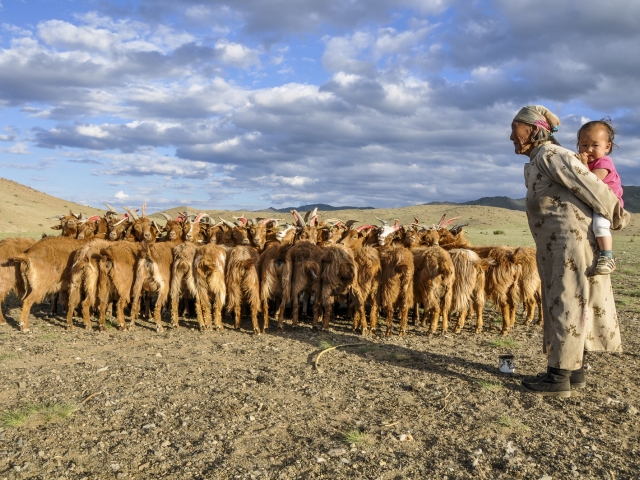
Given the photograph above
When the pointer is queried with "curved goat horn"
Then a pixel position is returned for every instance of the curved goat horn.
(441, 220)
(130, 212)
(297, 218)
(166, 217)
(227, 223)
(111, 209)
(384, 222)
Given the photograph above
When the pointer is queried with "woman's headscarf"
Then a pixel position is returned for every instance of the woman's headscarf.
(538, 115)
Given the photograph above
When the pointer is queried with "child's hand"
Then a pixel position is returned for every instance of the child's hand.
(583, 157)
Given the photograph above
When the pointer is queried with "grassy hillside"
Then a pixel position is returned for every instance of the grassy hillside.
(24, 211)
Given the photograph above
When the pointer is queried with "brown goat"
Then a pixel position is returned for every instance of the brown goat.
(468, 287)
(530, 285)
(396, 285)
(153, 274)
(433, 284)
(45, 269)
(117, 272)
(10, 278)
(366, 288)
(502, 282)
(243, 284)
(209, 277)
(338, 273)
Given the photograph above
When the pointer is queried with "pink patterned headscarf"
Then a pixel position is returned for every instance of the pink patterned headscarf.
(538, 115)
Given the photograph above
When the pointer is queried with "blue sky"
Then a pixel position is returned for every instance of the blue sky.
(251, 104)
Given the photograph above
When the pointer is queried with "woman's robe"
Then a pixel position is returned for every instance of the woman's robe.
(579, 309)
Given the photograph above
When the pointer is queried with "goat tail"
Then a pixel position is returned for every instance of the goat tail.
(310, 269)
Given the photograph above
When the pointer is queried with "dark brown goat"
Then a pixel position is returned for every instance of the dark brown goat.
(338, 273)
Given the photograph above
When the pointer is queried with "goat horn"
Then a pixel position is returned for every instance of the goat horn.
(351, 222)
(59, 217)
(416, 221)
(153, 222)
(227, 223)
(144, 210)
(75, 215)
(111, 209)
(166, 217)
(124, 217)
(130, 212)
(441, 220)
(384, 222)
(297, 218)
(448, 222)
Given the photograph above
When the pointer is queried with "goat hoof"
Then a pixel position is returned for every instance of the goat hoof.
(478, 330)
(457, 330)
(402, 333)
(88, 328)
(68, 328)
(102, 328)
(256, 331)
(159, 329)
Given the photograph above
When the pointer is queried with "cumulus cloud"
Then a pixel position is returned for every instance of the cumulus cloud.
(385, 103)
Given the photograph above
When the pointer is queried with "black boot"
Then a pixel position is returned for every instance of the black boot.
(577, 379)
(554, 383)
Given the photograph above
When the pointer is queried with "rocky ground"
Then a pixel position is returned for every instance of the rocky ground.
(182, 404)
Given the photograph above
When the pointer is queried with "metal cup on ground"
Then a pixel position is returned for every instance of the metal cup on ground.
(506, 363)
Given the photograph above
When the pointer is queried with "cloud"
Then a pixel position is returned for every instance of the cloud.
(17, 149)
(121, 195)
(87, 161)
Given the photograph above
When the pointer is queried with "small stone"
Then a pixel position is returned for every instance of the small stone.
(181, 451)
(41, 453)
(149, 426)
(17, 468)
(631, 410)
(115, 467)
(405, 437)
(251, 418)
(158, 354)
(546, 477)
(122, 475)
(382, 463)
(103, 369)
(166, 443)
(346, 461)
(321, 460)
(336, 452)
(143, 466)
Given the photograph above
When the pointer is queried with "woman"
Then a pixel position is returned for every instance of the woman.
(579, 310)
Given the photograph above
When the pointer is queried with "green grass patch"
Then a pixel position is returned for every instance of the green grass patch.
(503, 343)
(39, 413)
(324, 344)
(7, 356)
(508, 422)
(355, 437)
(487, 385)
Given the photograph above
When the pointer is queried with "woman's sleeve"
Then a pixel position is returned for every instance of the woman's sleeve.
(563, 167)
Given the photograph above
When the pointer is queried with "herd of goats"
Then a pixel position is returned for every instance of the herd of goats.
(259, 264)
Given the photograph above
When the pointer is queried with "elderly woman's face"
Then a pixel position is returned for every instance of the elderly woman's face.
(521, 134)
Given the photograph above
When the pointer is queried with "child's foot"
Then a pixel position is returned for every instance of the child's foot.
(605, 266)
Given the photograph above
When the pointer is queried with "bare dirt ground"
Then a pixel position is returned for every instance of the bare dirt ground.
(182, 404)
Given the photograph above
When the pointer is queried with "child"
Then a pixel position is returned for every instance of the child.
(595, 141)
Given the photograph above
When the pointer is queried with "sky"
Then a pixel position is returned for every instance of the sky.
(253, 103)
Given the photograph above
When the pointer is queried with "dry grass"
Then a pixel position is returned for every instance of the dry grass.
(37, 413)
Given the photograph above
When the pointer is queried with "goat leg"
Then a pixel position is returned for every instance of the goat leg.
(404, 319)
(174, 312)
(462, 316)
(24, 314)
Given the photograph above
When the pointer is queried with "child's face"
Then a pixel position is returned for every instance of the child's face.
(595, 143)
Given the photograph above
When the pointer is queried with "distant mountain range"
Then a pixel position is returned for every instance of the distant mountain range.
(631, 203)
(320, 206)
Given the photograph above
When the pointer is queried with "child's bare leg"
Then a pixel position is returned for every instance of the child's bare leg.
(605, 243)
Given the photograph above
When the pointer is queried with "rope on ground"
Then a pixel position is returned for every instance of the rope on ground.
(90, 397)
(333, 348)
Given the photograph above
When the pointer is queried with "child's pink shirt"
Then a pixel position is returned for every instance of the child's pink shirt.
(612, 179)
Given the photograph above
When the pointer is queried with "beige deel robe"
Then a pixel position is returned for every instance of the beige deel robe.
(579, 310)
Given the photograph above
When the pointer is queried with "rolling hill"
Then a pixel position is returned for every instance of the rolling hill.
(25, 211)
